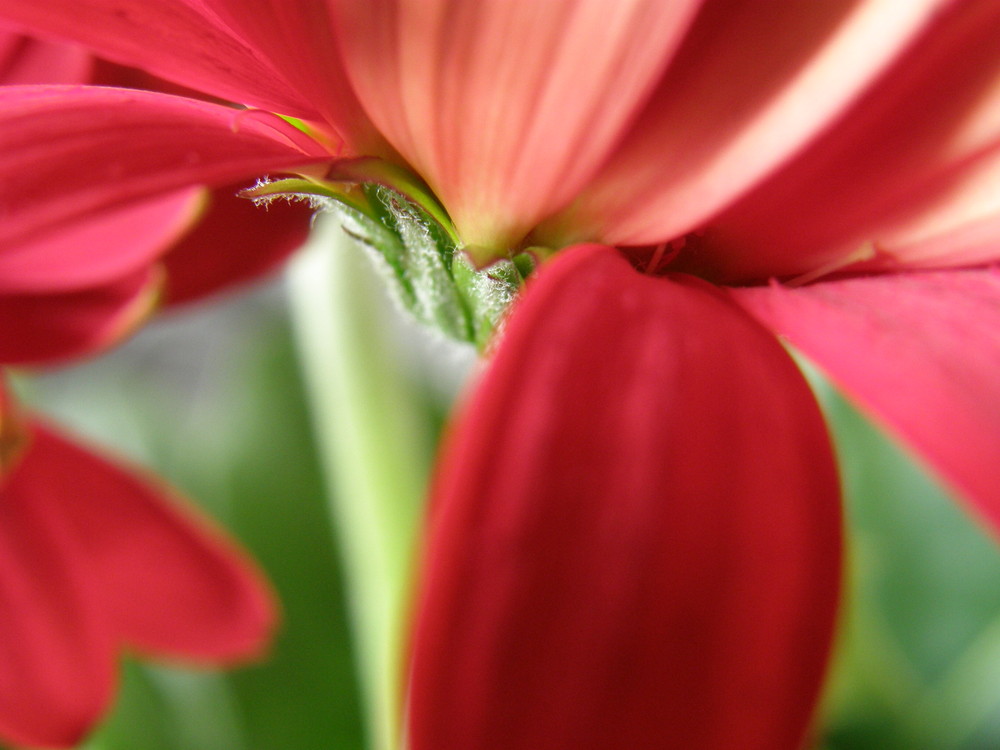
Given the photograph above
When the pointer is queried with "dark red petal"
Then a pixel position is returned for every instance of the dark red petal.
(635, 537)
(235, 242)
(171, 583)
(99, 247)
(25, 60)
(56, 658)
(40, 328)
(921, 351)
(297, 39)
(69, 151)
(178, 39)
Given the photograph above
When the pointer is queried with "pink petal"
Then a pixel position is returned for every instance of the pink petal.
(56, 659)
(297, 38)
(119, 76)
(45, 328)
(171, 583)
(99, 248)
(954, 223)
(915, 160)
(752, 84)
(234, 243)
(920, 351)
(506, 107)
(24, 60)
(635, 536)
(180, 40)
(71, 151)
(971, 240)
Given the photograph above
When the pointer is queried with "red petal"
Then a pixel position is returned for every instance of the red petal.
(180, 40)
(69, 151)
(751, 85)
(99, 248)
(26, 60)
(917, 158)
(635, 541)
(235, 242)
(171, 583)
(56, 659)
(506, 107)
(921, 351)
(41, 328)
(297, 38)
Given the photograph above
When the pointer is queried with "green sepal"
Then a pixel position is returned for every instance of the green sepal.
(420, 258)
(488, 293)
(309, 190)
(413, 244)
(371, 171)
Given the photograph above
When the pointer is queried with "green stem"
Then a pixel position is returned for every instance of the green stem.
(376, 443)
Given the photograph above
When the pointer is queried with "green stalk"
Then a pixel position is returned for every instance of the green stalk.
(376, 444)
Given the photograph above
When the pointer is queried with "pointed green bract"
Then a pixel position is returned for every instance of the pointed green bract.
(414, 246)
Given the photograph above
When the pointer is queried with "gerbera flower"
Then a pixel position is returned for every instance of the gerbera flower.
(634, 536)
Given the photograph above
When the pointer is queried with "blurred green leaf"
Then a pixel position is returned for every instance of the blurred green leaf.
(919, 664)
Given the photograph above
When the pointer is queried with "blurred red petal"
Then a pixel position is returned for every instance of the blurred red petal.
(24, 60)
(180, 40)
(56, 649)
(298, 39)
(234, 243)
(920, 351)
(44, 328)
(974, 241)
(89, 148)
(99, 248)
(635, 537)
(170, 582)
